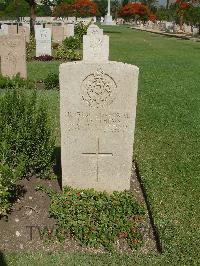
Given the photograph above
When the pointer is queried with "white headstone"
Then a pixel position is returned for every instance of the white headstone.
(98, 109)
(4, 29)
(69, 30)
(43, 41)
(95, 45)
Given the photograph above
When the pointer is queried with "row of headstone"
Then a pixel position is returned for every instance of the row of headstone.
(15, 29)
(166, 26)
(65, 20)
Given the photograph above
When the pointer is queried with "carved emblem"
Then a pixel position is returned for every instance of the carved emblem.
(98, 89)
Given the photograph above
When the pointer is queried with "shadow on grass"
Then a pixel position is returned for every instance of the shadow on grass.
(109, 31)
(154, 228)
(2, 260)
(57, 167)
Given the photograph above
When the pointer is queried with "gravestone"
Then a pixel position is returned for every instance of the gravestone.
(57, 34)
(98, 108)
(96, 45)
(4, 29)
(43, 41)
(68, 30)
(37, 26)
(25, 32)
(12, 29)
(13, 55)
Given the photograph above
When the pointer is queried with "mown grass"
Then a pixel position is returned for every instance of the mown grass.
(166, 146)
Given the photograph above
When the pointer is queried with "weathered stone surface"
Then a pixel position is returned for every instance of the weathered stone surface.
(43, 41)
(98, 110)
(4, 29)
(69, 30)
(25, 32)
(13, 55)
(57, 34)
(95, 45)
(12, 29)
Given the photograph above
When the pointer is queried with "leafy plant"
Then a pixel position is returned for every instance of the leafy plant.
(63, 53)
(52, 82)
(80, 30)
(15, 82)
(72, 42)
(96, 219)
(30, 48)
(26, 140)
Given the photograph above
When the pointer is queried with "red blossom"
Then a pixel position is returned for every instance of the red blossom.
(136, 10)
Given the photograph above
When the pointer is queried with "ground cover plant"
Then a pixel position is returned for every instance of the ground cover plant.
(96, 219)
(166, 145)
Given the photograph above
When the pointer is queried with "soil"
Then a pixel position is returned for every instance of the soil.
(22, 229)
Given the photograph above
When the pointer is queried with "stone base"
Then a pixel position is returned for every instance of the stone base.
(108, 20)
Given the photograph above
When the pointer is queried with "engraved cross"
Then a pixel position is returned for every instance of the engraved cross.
(97, 154)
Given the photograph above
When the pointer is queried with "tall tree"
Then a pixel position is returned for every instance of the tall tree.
(32, 5)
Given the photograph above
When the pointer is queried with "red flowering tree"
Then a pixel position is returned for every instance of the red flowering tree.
(182, 7)
(136, 11)
(80, 8)
(85, 8)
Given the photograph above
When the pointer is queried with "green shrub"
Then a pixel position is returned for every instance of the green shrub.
(96, 219)
(8, 177)
(80, 30)
(51, 82)
(30, 48)
(72, 43)
(63, 53)
(26, 140)
(15, 82)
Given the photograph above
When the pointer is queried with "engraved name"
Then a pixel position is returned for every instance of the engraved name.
(108, 122)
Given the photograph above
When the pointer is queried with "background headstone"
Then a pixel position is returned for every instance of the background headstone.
(13, 55)
(25, 32)
(69, 30)
(57, 34)
(43, 41)
(4, 29)
(12, 29)
(98, 109)
(95, 45)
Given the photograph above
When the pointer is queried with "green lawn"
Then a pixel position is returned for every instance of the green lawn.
(167, 145)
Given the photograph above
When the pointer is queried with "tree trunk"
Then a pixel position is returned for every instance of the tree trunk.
(181, 22)
(32, 17)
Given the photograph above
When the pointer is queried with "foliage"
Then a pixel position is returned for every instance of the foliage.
(80, 30)
(102, 6)
(96, 219)
(78, 8)
(72, 42)
(30, 48)
(15, 82)
(136, 11)
(193, 16)
(43, 10)
(16, 9)
(63, 53)
(44, 57)
(27, 141)
(85, 8)
(52, 81)
(63, 10)
(8, 178)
